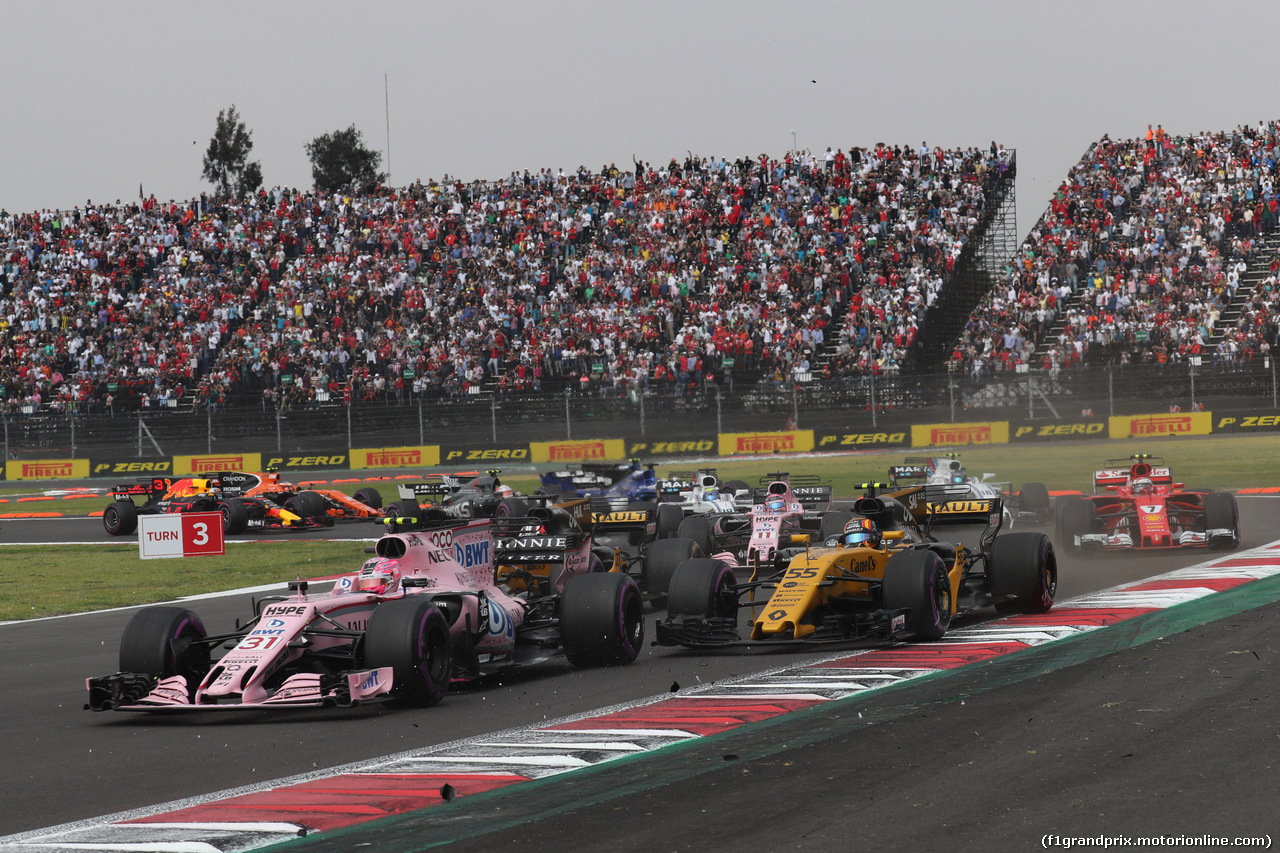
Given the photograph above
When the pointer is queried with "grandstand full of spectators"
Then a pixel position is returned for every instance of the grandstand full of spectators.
(1140, 252)
(663, 278)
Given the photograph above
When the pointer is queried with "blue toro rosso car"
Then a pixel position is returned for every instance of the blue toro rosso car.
(630, 480)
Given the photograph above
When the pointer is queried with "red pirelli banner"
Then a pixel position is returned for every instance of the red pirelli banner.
(212, 463)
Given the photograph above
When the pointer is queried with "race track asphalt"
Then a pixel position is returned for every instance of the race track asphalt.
(1102, 744)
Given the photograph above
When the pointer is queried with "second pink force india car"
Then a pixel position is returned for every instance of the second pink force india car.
(1142, 507)
(423, 611)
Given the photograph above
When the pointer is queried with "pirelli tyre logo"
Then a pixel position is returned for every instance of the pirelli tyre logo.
(597, 450)
(187, 465)
(791, 441)
(1148, 426)
(395, 457)
(941, 435)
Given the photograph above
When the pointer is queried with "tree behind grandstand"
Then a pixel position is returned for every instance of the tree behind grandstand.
(226, 161)
(341, 162)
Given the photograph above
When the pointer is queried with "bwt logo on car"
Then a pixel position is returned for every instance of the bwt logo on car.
(468, 554)
(201, 464)
(47, 469)
(960, 435)
(765, 443)
(1160, 425)
(577, 452)
(393, 458)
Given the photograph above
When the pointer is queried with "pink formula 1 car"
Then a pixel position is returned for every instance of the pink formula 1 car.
(424, 610)
(1142, 507)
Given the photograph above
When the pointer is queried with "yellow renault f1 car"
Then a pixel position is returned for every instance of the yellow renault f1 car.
(909, 585)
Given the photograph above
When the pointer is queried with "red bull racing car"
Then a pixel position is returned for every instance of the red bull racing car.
(1142, 507)
(163, 495)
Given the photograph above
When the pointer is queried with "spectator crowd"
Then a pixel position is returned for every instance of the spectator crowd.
(655, 276)
(1140, 252)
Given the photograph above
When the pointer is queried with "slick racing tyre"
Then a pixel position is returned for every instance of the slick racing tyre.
(163, 641)
(661, 559)
(411, 636)
(833, 523)
(511, 508)
(403, 509)
(1076, 517)
(372, 498)
(120, 518)
(667, 519)
(1221, 513)
(235, 516)
(702, 587)
(601, 619)
(916, 580)
(1034, 498)
(1025, 566)
(697, 528)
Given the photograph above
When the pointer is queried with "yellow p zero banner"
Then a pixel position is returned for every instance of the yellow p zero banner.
(184, 466)
(426, 456)
(47, 469)
(790, 441)
(935, 435)
(561, 452)
(1156, 426)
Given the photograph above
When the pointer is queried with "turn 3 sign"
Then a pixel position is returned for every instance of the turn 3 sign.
(192, 534)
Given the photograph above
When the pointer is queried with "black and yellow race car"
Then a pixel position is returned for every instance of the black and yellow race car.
(903, 583)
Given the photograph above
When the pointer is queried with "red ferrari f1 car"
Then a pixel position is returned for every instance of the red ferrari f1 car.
(1142, 507)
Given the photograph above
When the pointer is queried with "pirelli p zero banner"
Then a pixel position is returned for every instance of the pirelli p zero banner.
(1157, 426)
(132, 467)
(477, 456)
(647, 449)
(862, 440)
(333, 459)
(185, 466)
(426, 456)
(936, 435)
(1247, 422)
(47, 469)
(1058, 429)
(790, 441)
(562, 452)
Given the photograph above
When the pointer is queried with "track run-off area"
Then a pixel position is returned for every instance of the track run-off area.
(1151, 681)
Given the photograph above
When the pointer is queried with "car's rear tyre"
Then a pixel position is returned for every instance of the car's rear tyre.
(667, 518)
(601, 619)
(916, 580)
(307, 504)
(403, 509)
(735, 486)
(372, 498)
(1023, 565)
(411, 636)
(120, 518)
(697, 528)
(1076, 517)
(661, 559)
(833, 523)
(162, 641)
(1034, 498)
(702, 587)
(511, 508)
(235, 516)
(1221, 513)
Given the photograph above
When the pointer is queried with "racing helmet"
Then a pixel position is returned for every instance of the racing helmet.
(711, 495)
(1143, 486)
(775, 503)
(378, 576)
(504, 491)
(861, 532)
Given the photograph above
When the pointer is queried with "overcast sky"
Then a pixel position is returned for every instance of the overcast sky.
(98, 98)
